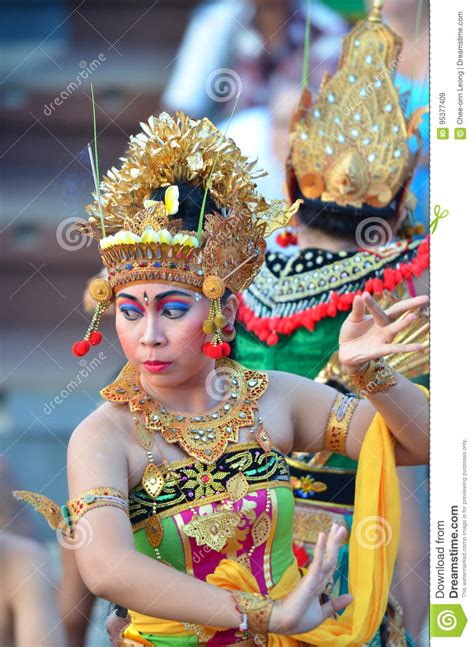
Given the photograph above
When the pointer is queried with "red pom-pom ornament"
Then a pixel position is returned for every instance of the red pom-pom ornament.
(216, 351)
(81, 348)
(95, 338)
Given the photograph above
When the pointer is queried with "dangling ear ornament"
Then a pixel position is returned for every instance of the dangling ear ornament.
(214, 288)
(101, 291)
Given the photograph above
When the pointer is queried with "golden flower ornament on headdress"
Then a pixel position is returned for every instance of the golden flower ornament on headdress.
(142, 243)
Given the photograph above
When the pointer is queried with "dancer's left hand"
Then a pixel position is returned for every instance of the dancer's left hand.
(369, 335)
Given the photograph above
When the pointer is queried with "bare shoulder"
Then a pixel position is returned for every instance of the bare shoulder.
(108, 422)
(97, 449)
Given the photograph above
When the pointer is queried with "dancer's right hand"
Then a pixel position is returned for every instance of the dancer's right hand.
(301, 610)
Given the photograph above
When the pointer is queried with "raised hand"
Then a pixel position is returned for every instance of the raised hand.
(301, 610)
(369, 335)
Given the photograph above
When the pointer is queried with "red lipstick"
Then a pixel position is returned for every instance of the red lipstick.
(156, 366)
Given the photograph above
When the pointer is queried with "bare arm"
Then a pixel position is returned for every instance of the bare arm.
(365, 337)
(105, 550)
(404, 408)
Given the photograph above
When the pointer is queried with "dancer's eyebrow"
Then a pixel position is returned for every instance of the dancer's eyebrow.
(158, 297)
(161, 296)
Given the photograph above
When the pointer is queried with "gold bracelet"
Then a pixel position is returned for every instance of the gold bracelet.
(339, 419)
(255, 610)
(90, 499)
(378, 377)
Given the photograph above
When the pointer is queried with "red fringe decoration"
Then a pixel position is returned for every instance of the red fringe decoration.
(267, 329)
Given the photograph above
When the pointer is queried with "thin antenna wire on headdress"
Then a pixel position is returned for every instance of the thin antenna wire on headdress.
(307, 41)
(417, 34)
(95, 167)
(203, 204)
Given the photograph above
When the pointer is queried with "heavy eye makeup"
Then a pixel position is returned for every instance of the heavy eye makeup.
(130, 309)
(171, 306)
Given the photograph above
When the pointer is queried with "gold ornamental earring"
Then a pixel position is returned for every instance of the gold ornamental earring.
(215, 325)
(101, 291)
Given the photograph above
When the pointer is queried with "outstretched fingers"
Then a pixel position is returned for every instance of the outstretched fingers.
(325, 558)
(330, 608)
(378, 313)
(389, 349)
(400, 324)
(406, 304)
(358, 309)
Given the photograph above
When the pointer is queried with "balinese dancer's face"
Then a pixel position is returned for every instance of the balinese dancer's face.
(160, 330)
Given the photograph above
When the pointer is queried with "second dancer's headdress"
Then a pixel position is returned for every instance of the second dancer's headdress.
(350, 146)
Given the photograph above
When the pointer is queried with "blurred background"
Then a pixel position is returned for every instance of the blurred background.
(142, 57)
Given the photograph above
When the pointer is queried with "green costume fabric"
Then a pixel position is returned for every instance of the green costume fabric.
(303, 353)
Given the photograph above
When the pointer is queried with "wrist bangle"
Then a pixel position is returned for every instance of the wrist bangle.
(378, 377)
(254, 609)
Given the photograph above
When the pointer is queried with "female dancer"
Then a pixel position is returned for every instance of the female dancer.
(182, 470)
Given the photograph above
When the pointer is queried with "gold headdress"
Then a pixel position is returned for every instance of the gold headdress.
(139, 242)
(351, 144)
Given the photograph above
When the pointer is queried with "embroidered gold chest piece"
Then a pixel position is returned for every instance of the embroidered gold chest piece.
(205, 436)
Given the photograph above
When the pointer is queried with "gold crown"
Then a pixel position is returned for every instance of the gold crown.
(351, 144)
(144, 244)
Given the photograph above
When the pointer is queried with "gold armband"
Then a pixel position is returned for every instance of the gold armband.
(65, 517)
(255, 610)
(339, 419)
(378, 377)
(94, 498)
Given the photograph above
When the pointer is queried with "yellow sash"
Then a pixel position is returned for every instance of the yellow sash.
(372, 552)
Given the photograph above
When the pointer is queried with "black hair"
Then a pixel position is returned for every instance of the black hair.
(332, 218)
(190, 201)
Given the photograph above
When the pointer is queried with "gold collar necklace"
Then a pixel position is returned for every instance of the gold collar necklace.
(204, 436)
